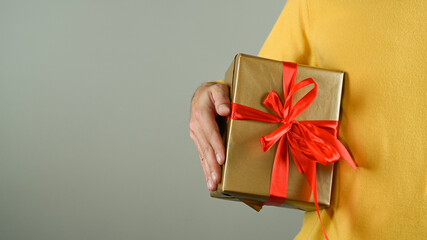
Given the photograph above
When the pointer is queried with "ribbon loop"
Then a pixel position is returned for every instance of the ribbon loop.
(302, 104)
(273, 102)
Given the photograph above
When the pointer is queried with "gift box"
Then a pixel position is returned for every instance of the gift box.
(254, 167)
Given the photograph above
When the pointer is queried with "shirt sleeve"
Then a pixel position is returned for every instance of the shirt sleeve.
(288, 40)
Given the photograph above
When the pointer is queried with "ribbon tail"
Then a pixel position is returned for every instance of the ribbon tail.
(310, 173)
(279, 175)
(345, 154)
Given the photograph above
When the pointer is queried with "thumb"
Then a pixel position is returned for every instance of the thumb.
(221, 99)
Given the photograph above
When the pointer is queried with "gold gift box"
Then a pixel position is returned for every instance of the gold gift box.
(247, 170)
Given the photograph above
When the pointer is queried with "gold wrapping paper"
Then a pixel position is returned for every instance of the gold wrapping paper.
(247, 170)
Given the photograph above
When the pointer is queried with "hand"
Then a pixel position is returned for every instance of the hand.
(209, 101)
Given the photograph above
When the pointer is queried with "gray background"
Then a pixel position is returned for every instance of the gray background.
(94, 111)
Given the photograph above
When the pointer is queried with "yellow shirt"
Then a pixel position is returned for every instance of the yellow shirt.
(382, 47)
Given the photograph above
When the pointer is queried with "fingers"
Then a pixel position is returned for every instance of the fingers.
(212, 168)
(201, 131)
(221, 99)
(213, 138)
(208, 101)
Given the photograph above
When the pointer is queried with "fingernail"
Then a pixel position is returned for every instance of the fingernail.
(223, 108)
(210, 185)
(214, 176)
(218, 158)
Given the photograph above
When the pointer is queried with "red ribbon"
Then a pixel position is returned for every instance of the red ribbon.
(310, 142)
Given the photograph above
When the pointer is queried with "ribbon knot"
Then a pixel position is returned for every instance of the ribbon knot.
(286, 122)
(310, 142)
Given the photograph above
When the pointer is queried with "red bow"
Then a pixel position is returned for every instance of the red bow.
(310, 142)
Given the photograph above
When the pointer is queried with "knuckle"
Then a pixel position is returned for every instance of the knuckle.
(192, 136)
(192, 127)
(199, 114)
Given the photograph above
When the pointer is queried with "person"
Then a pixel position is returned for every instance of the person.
(381, 45)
